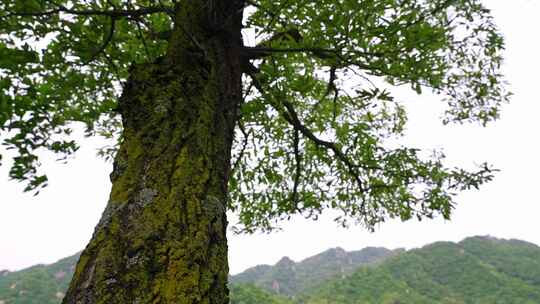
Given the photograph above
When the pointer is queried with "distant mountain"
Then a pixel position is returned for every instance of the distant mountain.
(477, 270)
(40, 284)
(290, 278)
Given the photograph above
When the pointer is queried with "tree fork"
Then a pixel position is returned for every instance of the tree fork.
(162, 236)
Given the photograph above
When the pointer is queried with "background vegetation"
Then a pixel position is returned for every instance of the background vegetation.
(476, 270)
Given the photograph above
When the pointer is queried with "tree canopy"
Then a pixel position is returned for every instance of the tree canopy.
(317, 112)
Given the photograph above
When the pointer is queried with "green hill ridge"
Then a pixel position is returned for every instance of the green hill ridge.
(477, 270)
(40, 284)
(290, 278)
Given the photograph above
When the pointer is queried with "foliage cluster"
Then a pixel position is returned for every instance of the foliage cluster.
(317, 113)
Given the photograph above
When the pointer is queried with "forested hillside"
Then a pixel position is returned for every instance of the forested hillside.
(290, 278)
(476, 270)
(40, 284)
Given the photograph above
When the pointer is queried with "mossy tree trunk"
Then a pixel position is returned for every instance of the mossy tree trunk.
(162, 236)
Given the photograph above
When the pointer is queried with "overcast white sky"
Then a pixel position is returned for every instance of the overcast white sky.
(60, 221)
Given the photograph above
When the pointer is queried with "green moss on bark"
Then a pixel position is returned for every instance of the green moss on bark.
(162, 237)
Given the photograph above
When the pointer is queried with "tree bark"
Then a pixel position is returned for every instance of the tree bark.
(162, 236)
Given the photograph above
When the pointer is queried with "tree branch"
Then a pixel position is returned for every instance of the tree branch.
(250, 53)
(141, 38)
(291, 117)
(244, 145)
(330, 87)
(105, 43)
(110, 13)
(298, 167)
(257, 52)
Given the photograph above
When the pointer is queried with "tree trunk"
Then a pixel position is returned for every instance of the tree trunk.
(162, 236)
